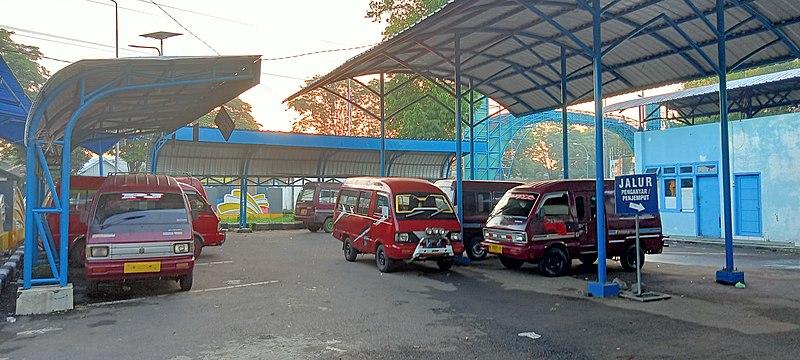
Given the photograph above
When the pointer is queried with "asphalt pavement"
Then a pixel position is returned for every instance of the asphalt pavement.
(291, 295)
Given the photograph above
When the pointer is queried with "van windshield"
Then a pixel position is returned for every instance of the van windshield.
(512, 209)
(415, 206)
(139, 208)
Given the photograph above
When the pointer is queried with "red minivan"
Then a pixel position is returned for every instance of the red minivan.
(397, 219)
(314, 206)
(552, 222)
(139, 227)
(83, 188)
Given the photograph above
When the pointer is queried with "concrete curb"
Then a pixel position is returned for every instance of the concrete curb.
(268, 226)
(771, 245)
(10, 267)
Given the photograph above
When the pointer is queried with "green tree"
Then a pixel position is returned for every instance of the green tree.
(400, 14)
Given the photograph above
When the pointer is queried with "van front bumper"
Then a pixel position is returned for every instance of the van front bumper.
(511, 250)
(115, 269)
(415, 251)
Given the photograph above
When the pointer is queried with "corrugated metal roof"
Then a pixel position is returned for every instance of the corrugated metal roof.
(512, 49)
(128, 96)
(274, 154)
(765, 81)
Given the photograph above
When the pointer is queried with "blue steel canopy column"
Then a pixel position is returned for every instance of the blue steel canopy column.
(459, 169)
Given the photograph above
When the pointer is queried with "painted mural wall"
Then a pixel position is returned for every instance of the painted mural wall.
(767, 148)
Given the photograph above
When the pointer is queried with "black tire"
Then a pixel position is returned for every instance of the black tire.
(198, 247)
(385, 264)
(475, 250)
(185, 281)
(628, 258)
(92, 289)
(445, 263)
(555, 262)
(349, 251)
(510, 263)
(313, 228)
(77, 253)
(588, 259)
(327, 226)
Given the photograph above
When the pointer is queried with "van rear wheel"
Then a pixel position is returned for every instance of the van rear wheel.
(185, 281)
(510, 263)
(475, 250)
(350, 252)
(385, 264)
(628, 258)
(555, 262)
(77, 253)
(327, 226)
(313, 228)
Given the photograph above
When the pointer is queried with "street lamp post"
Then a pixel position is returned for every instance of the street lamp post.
(160, 35)
(147, 47)
(587, 157)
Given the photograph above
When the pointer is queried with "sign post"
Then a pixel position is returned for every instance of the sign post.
(638, 195)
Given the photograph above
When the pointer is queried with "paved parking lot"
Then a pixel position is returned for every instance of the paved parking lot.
(290, 295)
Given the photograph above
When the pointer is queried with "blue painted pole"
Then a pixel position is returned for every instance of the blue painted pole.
(459, 171)
(601, 288)
(31, 201)
(100, 163)
(728, 275)
(383, 127)
(243, 199)
(564, 128)
(471, 131)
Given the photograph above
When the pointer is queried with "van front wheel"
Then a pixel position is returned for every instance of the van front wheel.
(350, 252)
(510, 263)
(628, 258)
(313, 228)
(185, 281)
(385, 263)
(198, 247)
(327, 226)
(77, 254)
(445, 263)
(555, 262)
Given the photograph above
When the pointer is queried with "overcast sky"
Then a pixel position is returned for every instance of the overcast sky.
(70, 30)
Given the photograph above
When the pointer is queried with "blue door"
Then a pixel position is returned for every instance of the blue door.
(748, 204)
(708, 219)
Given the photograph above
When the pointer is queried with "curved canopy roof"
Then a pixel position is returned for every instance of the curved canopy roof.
(274, 154)
(119, 98)
(512, 49)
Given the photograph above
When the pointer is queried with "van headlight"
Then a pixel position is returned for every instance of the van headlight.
(401, 237)
(455, 236)
(181, 248)
(98, 251)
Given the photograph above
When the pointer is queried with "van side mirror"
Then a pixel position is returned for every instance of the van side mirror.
(385, 212)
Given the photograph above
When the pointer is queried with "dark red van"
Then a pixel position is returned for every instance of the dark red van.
(397, 219)
(314, 206)
(206, 225)
(82, 190)
(139, 227)
(553, 222)
(480, 197)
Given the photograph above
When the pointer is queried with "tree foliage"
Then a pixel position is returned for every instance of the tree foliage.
(400, 14)
(23, 61)
(322, 112)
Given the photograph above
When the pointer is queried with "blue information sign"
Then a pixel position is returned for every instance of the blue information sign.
(636, 194)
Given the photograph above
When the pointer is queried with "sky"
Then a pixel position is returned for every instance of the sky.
(71, 30)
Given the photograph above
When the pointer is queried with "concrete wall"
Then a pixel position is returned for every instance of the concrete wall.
(768, 146)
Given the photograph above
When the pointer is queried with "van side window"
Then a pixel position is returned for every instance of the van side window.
(496, 196)
(347, 200)
(196, 202)
(381, 202)
(79, 200)
(556, 206)
(484, 202)
(469, 202)
(327, 196)
(363, 202)
(579, 207)
(593, 206)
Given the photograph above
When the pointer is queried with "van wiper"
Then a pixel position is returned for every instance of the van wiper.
(122, 220)
(420, 210)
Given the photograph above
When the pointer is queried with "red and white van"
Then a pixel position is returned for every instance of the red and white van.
(397, 219)
(139, 227)
(206, 225)
(314, 205)
(553, 222)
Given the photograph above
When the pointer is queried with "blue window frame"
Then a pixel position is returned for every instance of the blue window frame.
(677, 184)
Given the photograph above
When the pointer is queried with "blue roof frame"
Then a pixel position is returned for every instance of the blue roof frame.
(14, 106)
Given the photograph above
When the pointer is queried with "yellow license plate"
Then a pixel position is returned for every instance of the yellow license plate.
(496, 249)
(302, 211)
(142, 267)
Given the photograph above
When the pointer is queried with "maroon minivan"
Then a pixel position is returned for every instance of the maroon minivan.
(314, 206)
(553, 222)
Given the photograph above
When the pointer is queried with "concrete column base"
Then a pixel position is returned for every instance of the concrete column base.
(45, 299)
(603, 290)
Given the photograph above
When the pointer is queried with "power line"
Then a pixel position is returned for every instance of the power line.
(124, 8)
(283, 76)
(101, 47)
(184, 27)
(195, 12)
(29, 54)
(318, 52)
